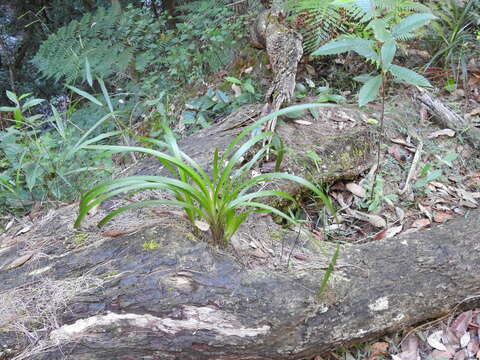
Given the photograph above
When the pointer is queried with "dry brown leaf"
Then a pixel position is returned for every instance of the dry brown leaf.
(310, 69)
(318, 235)
(19, 261)
(268, 167)
(420, 223)
(472, 113)
(440, 355)
(473, 346)
(409, 348)
(400, 213)
(259, 254)
(237, 90)
(398, 152)
(23, 230)
(426, 211)
(435, 340)
(302, 122)
(403, 142)
(444, 132)
(338, 186)
(348, 198)
(115, 233)
(356, 189)
(441, 217)
(450, 337)
(391, 232)
(465, 339)
(468, 204)
(460, 355)
(467, 196)
(9, 225)
(202, 225)
(423, 114)
(381, 346)
(475, 178)
(380, 235)
(374, 220)
(349, 356)
(94, 210)
(460, 324)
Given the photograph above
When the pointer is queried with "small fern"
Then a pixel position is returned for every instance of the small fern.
(323, 20)
(110, 39)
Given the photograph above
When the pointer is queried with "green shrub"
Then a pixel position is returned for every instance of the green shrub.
(452, 38)
(103, 37)
(381, 50)
(44, 160)
(133, 49)
(324, 20)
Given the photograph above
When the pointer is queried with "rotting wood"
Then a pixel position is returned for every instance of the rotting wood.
(187, 301)
(447, 118)
(284, 49)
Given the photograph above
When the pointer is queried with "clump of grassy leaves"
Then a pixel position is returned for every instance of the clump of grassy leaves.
(220, 202)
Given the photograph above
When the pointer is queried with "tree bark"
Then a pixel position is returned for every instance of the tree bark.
(185, 300)
(284, 49)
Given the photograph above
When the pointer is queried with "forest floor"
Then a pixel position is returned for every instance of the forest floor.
(443, 174)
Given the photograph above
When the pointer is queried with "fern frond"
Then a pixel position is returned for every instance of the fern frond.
(323, 20)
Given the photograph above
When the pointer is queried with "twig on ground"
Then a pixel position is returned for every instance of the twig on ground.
(411, 172)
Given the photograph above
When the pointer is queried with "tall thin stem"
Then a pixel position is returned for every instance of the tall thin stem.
(380, 138)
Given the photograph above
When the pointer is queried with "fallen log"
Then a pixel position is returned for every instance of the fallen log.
(156, 290)
(186, 300)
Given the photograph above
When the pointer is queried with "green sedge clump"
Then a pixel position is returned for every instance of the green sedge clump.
(219, 202)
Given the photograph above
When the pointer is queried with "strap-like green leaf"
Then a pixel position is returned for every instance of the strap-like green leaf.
(105, 94)
(88, 72)
(242, 200)
(85, 95)
(143, 204)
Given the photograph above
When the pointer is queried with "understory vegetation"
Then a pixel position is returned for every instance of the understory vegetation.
(91, 89)
(131, 71)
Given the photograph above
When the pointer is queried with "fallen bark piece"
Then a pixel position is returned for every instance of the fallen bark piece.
(446, 118)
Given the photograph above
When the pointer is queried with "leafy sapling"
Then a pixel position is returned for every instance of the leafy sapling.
(381, 51)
